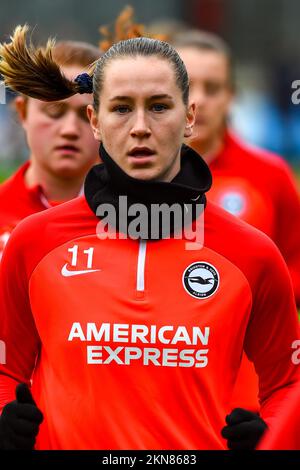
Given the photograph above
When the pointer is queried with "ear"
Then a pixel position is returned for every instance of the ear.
(94, 122)
(190, 120)
(21, 108)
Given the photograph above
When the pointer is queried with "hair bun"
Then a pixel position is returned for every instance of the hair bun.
(85, 83)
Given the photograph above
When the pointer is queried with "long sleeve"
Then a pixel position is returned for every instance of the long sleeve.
(287, 234)
(285, 434)
(17, 328)
(272, 329)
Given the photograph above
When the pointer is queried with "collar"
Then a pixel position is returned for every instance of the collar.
(106, 182)
(230, 144)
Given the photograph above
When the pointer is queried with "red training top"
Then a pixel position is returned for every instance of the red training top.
(286, 430)
(17, 201)
(123, 358)
(258, 187)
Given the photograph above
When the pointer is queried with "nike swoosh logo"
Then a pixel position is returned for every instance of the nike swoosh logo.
(66, 273)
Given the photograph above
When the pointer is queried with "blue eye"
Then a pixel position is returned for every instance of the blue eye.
(121, 109)
(158, 107)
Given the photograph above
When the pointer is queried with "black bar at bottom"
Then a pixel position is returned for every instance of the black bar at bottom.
(149, 459)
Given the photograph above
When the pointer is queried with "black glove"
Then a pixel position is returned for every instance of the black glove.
(19, 422)
(244, 429)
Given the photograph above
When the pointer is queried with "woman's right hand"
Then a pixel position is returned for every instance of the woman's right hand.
(20, 421)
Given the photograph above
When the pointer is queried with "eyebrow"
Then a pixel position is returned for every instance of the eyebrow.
(58, 104)
(153, 97)
(52, 103)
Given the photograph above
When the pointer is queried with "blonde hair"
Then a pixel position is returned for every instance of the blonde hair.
(33, 71)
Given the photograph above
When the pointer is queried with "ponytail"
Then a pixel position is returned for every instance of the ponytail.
(33, 72)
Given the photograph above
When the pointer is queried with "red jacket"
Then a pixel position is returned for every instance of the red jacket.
(285, 434)
(259, 187)
(17, 201)
(125, 349)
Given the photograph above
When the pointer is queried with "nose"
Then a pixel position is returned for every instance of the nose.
(140, 126)
(70, 126)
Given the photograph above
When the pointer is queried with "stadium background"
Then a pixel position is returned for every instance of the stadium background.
(263, 35)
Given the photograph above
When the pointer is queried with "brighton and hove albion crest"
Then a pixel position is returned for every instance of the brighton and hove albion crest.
(201, 280)
(233, 202)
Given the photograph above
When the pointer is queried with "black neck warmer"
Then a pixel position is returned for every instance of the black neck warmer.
(106, 182)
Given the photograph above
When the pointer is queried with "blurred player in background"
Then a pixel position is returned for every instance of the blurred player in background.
(251, 183)
(62, 146)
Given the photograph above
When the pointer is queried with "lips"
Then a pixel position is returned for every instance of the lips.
(67, 148)
(140, 152)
